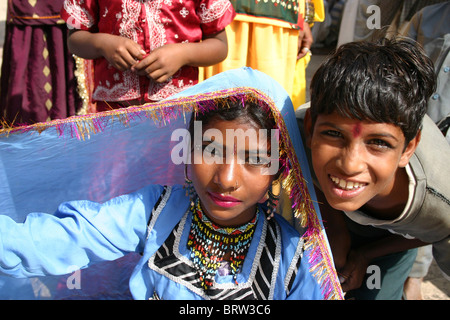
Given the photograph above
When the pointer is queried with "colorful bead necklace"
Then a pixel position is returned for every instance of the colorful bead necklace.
(209, 243)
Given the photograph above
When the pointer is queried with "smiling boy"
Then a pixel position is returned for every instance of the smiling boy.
(380, 163)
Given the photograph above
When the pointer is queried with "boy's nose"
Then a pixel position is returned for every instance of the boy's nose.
(351, 161)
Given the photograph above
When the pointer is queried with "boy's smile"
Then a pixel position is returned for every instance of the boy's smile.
(359, 163)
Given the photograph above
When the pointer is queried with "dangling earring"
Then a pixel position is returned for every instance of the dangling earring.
(189, 186)
(274, 197)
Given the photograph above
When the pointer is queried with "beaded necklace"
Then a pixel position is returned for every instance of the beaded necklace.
(209, 243)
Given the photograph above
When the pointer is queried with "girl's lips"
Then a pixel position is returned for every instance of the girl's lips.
(223, 201)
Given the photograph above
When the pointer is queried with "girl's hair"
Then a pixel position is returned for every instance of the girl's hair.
(387, 81)
(230, 109)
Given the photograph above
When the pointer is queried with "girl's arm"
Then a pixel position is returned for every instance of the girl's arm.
(164, 61)
(79, 233)
(122, 53)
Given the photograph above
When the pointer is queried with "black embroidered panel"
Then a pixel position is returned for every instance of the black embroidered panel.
(167, 262)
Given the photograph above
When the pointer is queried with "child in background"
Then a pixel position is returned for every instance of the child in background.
(275, 38)
(380, 162)
(146, 51)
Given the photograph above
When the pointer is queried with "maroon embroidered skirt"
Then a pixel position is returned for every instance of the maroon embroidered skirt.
(37, 76)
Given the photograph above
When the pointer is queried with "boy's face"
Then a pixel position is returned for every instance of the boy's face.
(357, 162)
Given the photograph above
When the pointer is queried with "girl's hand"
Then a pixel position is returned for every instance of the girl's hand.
(162, 63)
(122, 53)
(165, 61)
(305, 40)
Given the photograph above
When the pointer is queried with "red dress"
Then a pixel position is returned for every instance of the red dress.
(151, 24)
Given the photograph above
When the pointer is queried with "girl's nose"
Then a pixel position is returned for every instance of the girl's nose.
(227, 175)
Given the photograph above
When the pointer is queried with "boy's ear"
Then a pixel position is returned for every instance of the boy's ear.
(307, 127)
(410, 149)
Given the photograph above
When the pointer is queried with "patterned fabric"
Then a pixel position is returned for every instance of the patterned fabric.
(33, 12)
(151, 24)
(285, 10)
(168, 262)
(37, 77)
(209, 243)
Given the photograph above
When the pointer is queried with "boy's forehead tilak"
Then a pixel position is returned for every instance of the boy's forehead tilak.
(356, 129)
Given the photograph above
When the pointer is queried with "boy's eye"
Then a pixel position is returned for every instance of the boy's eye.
(379, 143)
(332, 133)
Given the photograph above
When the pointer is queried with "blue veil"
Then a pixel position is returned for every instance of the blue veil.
(103, 155)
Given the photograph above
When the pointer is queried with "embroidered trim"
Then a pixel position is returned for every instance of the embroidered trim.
(214, 12)
(78, 16)
(294, 266)
(159, 206)
(127, 89)
(276, 264)
(155, 25)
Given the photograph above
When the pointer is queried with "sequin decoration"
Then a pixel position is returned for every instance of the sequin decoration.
(209, 243)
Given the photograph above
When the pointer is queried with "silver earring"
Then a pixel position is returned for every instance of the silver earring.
(189, 186)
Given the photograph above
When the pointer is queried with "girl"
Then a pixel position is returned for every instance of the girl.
(146, 50)
(213, 239)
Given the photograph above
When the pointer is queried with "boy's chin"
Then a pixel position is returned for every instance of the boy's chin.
(344, 206)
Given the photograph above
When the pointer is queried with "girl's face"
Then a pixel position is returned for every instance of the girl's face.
(230, 190)
(357, 162)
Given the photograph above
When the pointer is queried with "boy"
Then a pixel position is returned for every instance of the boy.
(380, 164)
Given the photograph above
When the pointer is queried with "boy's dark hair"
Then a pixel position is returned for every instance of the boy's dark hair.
(387, 81)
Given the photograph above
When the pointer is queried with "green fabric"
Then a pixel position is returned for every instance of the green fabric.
(286, 10)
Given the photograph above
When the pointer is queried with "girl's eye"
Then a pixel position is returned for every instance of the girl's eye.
(211, 150)
(258, 161)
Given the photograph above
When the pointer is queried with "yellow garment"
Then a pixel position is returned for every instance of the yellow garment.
(268, 45)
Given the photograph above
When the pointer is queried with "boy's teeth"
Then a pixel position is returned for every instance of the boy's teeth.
(346, 185)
